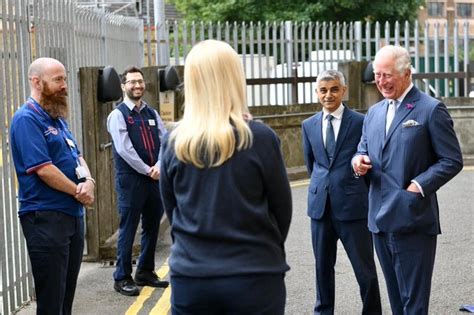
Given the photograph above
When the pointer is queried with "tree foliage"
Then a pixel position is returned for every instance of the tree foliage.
(298, 10)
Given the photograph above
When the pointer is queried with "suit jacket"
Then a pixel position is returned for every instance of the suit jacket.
(420, 145)
(348, 194)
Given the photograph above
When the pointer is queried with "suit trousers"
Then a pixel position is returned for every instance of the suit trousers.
(357, 242)
(55, 243)
(139, 197)
(407, 262)
(259, 294)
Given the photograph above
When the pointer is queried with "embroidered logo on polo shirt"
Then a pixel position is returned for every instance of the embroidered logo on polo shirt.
(51, 130)
(130, 120)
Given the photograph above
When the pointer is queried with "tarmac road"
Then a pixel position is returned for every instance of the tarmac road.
(453, 279)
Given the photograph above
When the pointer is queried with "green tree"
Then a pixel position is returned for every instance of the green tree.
(298, 10)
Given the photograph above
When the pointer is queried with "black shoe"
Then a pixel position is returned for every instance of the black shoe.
(126, 287)
(149, 278)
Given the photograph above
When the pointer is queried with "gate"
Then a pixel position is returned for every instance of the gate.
(77, 37)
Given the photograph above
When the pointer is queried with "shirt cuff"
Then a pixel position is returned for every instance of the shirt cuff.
(37, 167)
(419, 187)
(148, 171)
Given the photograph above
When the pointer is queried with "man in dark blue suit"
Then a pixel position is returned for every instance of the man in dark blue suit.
(409, 150)
(337, 200)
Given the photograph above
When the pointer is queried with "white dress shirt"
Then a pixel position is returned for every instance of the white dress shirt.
(336, 121)
(391, 115)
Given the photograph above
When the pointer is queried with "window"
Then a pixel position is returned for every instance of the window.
(464, 10)
(435, 8)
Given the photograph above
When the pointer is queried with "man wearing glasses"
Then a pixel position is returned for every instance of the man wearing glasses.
(136, 131)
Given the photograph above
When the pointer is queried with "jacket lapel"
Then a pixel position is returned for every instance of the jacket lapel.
(343, 129)
(403, 110)
(319, 145)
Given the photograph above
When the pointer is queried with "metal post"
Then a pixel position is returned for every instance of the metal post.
(162, 57)
(358, 39)
(466, 58)
(148, 33)
(289, 55)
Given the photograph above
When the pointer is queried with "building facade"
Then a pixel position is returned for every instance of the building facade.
(448, 11)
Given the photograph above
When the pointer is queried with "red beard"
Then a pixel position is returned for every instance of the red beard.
(54, 103)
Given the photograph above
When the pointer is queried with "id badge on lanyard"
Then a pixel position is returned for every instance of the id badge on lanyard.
(81, 171)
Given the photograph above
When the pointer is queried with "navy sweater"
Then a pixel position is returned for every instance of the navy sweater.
(232, 219)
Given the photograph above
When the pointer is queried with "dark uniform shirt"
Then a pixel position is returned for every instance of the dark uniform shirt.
(232, 219)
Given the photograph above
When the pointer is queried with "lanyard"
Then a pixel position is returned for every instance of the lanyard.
(69, 142)
(62, 128)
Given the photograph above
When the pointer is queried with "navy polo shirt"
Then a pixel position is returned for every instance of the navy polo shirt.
(38, 140)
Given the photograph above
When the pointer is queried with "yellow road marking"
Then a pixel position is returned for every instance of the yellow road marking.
(163, 305)
(163, 271)
(145, 293)
(299, 183)
(468, 168)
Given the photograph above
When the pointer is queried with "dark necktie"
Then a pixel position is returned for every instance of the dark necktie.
(330, 138)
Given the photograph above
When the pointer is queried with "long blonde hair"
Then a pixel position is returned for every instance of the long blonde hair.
(215, 103)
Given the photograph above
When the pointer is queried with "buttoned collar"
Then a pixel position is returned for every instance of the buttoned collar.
(337, 114)
(131, 105)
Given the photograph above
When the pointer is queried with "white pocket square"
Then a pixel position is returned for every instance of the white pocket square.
(410, 123)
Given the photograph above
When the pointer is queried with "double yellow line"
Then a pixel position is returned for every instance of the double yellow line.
(163, 306)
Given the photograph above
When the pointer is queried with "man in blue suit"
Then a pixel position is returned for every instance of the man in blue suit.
(337, 200)
(409, 150)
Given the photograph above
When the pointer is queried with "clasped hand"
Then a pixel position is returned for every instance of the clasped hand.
(154, 173)
(361, 165)
(85, 193)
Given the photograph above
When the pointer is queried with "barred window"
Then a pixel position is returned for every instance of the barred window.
(464, 10)
(435, 9)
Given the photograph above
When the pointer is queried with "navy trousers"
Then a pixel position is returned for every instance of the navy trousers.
(357, 241)
(55, 243)
(246, 294)
(138, 197)
(407, 262)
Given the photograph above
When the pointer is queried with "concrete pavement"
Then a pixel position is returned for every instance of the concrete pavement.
(453, 279)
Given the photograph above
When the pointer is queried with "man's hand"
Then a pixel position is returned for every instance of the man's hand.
(361, 164)
(85, 193)
(247, 116)
(413, 188)
(154, 173)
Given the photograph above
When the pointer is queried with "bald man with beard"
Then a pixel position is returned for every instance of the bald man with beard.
(54, 186)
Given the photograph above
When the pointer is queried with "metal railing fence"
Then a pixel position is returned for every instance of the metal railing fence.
(285, 49)
(78, 38)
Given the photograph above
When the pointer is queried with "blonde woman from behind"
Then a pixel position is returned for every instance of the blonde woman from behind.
(226, 193)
